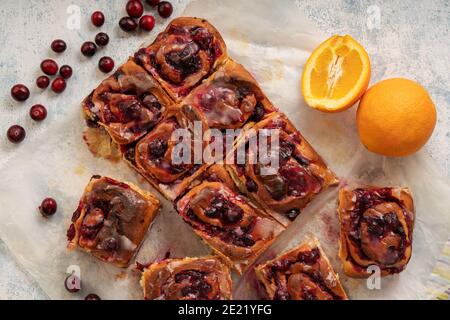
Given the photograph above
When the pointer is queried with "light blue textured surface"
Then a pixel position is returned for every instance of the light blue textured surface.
(409, 39)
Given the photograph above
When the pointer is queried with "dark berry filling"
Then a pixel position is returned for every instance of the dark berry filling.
(283, 267)
(292, 214)
(185, 60)
(195, 285)
(251, 185)
(370, 230)
(157, 148)
(224, 210)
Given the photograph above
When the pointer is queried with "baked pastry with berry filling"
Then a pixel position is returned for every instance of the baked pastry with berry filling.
(376, 229)
(300, 176)
(228, 99)
(205, 278)
(112, 219)
(303, 273)
(127, 104)
(162, 159)
(235, 228)
(185, 53)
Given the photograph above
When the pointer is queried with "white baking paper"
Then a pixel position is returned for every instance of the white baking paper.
(273, 43)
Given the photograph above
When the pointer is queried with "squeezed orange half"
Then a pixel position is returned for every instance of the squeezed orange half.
(336, 74)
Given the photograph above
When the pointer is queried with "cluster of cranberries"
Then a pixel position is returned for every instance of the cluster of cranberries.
(135, 10)
(89, 48)
(21, 93)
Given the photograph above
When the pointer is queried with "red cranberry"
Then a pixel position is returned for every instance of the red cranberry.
(58, 45)
(152, 3)
(48, 207)
(92, 296)
(88, 49)
(127, 24)
(38, 112)
(106, 64)
(98, 18)
(59, 85)
(147, 23)
(165, 9)
(72, 283)
(66, 71)
(42, 82)
(102, 39)
(135, 9)
(16, 134)
(49, 67)
(20, 92)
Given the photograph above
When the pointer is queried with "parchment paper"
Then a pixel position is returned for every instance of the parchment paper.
(273, 43)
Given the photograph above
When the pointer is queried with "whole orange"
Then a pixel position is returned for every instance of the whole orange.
(395, 117)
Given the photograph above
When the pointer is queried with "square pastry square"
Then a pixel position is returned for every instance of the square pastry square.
(229, 99)
(160, 158)
(185, 53)
(303, 273)
(234, 227)
(301, 173)
(112, 219)
(376, 229)
(127, 104)
(205, 278)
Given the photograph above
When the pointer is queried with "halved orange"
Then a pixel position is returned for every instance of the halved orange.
(336, 74)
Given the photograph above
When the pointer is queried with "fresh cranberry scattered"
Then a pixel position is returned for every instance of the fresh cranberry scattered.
(135, 9)
(16, 134)
(98, 18)
(101, 39)
(128, 24)
(72, 283)
(147, 23)
(42, 82)
(152, 3)
(38, 112)
(59, 85)
(20, 92)
(58, 45)
(66, 71)
(165, 9)
(88, 49)
(106, 64)
(48, 207)
(49, 67)
(92, 296)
